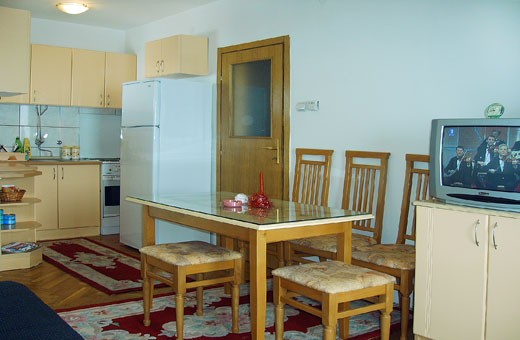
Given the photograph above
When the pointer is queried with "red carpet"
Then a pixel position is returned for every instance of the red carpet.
(123, 320)
(98, 265)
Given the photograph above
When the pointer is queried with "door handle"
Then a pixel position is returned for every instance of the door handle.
(495, 245)
(277, 148)
(476, 231)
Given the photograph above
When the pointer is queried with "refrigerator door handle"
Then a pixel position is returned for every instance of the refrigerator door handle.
(139, 126)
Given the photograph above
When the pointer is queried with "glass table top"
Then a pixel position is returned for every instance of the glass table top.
(281, 212)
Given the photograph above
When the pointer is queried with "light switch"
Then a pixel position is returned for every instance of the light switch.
(311, 105)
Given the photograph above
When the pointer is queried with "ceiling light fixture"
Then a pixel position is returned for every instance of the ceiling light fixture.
(72, 7)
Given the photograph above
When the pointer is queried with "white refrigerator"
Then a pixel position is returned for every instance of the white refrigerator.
(166, 148)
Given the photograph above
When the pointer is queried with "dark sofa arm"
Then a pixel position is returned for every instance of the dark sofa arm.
(24, 316)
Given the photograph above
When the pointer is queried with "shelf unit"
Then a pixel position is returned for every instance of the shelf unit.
(21, 175)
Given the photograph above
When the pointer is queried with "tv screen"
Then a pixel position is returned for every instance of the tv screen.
(476, 162)
(481, 157)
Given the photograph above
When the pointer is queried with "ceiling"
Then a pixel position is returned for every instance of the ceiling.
(115, 14)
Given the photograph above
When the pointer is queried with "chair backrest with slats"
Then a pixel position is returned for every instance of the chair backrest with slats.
(416, 187)
(312, 176)
(364, 188)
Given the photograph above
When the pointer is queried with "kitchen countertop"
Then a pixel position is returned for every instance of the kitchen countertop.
(37, 161)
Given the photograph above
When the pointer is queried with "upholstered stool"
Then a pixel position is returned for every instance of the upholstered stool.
(184, 259)
(334, 284)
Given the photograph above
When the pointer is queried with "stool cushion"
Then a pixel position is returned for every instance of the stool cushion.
(190, 253)
(401, 256)
(333, 276)
(329, 243)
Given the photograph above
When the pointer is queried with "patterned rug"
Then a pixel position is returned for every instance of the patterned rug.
(98, 265)
(123, 320)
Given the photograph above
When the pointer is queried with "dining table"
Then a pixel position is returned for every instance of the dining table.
(283, 221)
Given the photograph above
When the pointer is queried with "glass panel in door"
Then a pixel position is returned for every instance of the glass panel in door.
(252, 99)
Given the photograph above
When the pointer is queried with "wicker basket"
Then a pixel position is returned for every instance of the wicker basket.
(13, 196)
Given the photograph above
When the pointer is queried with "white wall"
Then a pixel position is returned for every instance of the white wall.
(48, 32)
(381, 69)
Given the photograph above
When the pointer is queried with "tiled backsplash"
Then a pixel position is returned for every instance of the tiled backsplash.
(61, 124)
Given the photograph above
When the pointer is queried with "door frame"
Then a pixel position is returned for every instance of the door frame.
(285, 147)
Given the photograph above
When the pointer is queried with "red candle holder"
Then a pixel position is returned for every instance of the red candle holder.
(260, 200)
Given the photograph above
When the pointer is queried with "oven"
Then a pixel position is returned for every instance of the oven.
(110, 187)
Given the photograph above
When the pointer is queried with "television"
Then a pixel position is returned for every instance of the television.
(476, 162)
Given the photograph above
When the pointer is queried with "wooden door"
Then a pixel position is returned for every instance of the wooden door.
(253, 122)
(88, 78)
(51, 69)
(119, 68)
(79, 200)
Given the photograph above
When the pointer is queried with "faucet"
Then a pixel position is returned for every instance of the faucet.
(40, 138)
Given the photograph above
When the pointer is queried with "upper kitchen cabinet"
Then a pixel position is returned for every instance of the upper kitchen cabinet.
(50, 75)
(97, 77)
(18, 99)
(15, 44)
(88, 78)
(119, 68)
(177, 55)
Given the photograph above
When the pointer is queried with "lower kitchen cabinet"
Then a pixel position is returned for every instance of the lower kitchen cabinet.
(70, 204)
(467, 279)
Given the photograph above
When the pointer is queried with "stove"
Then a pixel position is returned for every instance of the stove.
(110, 195)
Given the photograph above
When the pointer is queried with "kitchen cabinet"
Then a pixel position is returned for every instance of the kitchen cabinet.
(119, 68)
(88, 78)
(466, 281)
(50, 75)
(22, 176)
(97, 77)
(15, 40)
(70, 204)
(176, 55)
(18, 99)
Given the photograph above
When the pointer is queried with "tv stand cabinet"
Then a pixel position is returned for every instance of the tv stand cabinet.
(467, 274)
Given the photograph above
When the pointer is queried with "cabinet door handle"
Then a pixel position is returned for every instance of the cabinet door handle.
(162, 66)
(476, 231)
(108, 99)
(34, 96)
(62, 173)
(495, 245)
(157, 66)
(54, 174)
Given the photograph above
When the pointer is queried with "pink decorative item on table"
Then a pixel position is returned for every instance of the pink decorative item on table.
(260, 200)
(232, 203)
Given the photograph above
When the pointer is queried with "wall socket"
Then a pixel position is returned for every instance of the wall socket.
(311, 105)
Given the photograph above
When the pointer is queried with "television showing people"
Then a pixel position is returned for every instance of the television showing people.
(485, 162)
(459, 170)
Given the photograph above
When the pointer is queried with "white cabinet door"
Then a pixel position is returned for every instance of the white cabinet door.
(503, 306)
(450, 274)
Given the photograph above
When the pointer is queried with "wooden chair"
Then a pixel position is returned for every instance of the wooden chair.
(312, 176)
(364, 189)
(185, 259)
(398, 259)
(334, 285)
(310, 186)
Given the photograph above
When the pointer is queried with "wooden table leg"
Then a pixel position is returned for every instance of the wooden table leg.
(345, 255)
(148, 227)
(258, 282)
